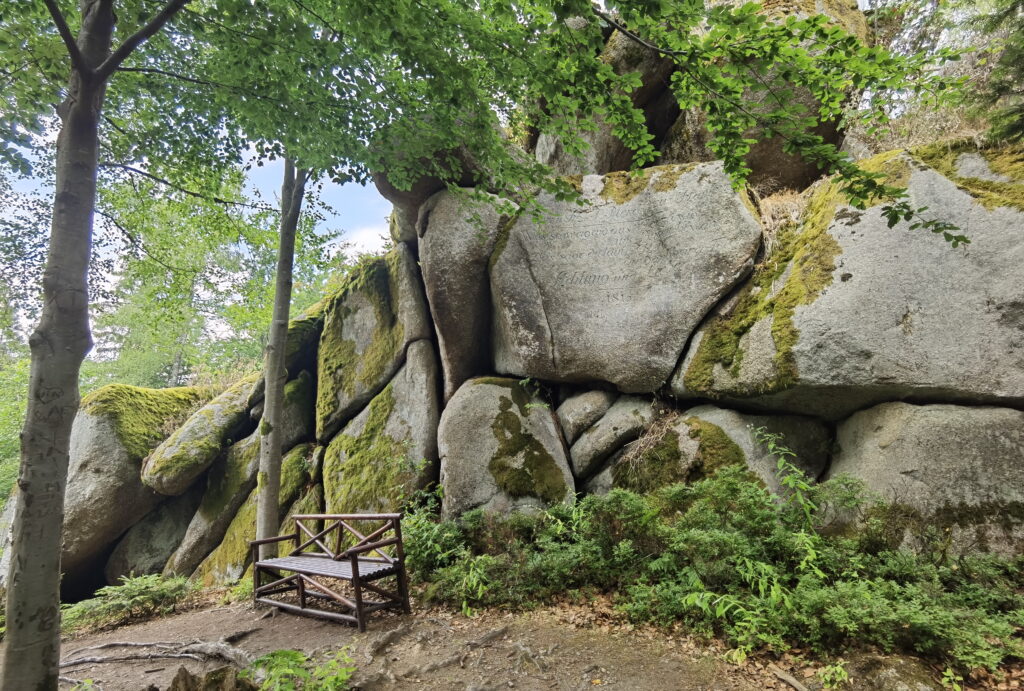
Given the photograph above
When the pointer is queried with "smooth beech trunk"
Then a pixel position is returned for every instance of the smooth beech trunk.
(269, 484)
(59, 344)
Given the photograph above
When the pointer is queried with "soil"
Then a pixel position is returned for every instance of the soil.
(560, 647)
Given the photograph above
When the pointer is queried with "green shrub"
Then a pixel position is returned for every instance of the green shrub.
(134, 598)
(724, 556)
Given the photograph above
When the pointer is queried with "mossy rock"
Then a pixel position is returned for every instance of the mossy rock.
(520, 464)
(848, 312)
(228, 484)
(368, 323)
(228, 561)
(191, 449)
(144, 417)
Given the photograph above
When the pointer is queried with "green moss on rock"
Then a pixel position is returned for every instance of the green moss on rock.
(143, 417)
(1006, 160)
(368, 471)
(228, 561)
(715, 450)
(229, 476)
(342, 368)
(657, 466)
(521, 466)
(804, 263)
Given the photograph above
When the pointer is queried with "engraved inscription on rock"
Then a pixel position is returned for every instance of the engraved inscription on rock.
(610, 291)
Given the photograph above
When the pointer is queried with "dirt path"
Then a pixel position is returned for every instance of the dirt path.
(438, 649)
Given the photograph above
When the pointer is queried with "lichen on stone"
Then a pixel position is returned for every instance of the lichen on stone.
(1005, 160)
(370, 470)
(623, 185)
(143, 417)
(521, 466)
(341, 366)
(715, 450)
(809, 253)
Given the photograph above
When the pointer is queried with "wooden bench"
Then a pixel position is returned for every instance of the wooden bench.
(376, 555)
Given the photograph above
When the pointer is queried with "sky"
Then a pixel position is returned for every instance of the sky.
(359, 211)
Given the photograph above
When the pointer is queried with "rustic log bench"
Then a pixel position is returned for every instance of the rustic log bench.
(312, 560)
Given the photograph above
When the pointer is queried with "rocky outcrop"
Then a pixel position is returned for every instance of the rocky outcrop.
(228, 561)
(579, 411)
(390, 449)
(228, 484)
(611, 291)
(115, 428)
(624, 422)
(367, 325)
(680, 447)
(941, 467)
(500, 450)
(148, 544)
(457, 238)
(193, 447)
(850, 312)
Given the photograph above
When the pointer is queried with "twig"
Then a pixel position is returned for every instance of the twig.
(786, 677)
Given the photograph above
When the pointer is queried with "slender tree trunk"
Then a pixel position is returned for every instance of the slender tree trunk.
(59, 344)
(269, 485)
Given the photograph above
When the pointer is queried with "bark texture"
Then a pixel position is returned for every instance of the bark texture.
(59, 344)
(275, 375)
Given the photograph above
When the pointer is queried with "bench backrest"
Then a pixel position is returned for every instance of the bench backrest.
(335, 536)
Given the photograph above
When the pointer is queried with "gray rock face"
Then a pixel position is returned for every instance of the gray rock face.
(148, 544)
(500, 450)
(367, 326)
(943, 466)
(390, 449)
(807, 437)
(683, 446)
(604, 153)
(580, 411)
(189, 451)
(299, 410)
(623, 423)
(104, 495)
(454, 251)
(611, 291)
(863, 313)
(228, 484)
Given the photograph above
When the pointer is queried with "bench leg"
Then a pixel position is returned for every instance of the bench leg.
(357, 589)
(403, 589)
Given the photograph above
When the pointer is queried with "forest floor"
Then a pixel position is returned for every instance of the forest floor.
(564, 646)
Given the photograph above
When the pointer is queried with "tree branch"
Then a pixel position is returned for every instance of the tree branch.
(77, 59)
(183, 190)
(135, 40)
(142, 248)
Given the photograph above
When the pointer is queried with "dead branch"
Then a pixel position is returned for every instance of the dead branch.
(128, 658)
(786, 677)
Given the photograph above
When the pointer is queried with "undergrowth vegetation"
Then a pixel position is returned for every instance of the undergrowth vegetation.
(293, 670)
(134, 598)
(725, 557)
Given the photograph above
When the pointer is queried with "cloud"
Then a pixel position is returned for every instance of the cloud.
(367, 238)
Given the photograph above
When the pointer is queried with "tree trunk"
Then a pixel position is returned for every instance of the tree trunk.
(58, 345)
(269, 482)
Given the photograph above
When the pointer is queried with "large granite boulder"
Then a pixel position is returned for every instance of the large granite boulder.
(115, 428)
(579, 411)
(625, 420)
(500, 450)
(196, 444)
(228, 484)
(367, 325)
(940, 467)
(850, 312)
(148, 544)
(610, 291)
(228, 561)
(697, 442)
(457, 237)
(389, 450)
